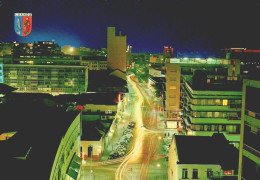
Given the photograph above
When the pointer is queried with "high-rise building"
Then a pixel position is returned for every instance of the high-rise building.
(211, 107)
(116, 50)
(172, 102)
(216, 69)
(249, 154)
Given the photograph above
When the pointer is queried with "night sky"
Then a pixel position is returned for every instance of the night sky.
(203, 26)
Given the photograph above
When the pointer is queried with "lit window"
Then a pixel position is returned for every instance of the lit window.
(217, 101)
(225, 102)
(251, 113)
(227, 172)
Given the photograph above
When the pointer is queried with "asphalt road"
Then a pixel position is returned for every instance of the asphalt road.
(146, 159)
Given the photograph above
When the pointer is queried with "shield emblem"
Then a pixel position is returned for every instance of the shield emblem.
(23, 23)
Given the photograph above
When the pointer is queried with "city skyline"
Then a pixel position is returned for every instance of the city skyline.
(199, 27)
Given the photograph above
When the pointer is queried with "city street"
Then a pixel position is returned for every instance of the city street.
(146, 159)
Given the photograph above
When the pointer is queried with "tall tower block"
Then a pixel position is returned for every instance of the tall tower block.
(116, 50)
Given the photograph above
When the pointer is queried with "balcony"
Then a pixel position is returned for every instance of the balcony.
(252, 150)
(235, 105)
(234, 118)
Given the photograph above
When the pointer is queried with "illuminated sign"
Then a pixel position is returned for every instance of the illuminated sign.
(23, 23)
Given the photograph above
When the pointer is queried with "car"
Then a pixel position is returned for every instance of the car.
(131, 124)
(114, 154)
(123, 143)
(120, 148)
(128, 136)
(166, 147)
(127, 131)
(166, 158)
(121, 153)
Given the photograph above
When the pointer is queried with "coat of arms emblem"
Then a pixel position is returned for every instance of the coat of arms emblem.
(23, 23)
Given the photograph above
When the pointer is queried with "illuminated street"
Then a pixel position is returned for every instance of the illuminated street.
(145, 160)
(129, 90)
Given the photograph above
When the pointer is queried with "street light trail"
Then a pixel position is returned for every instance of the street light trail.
(147, 135)
(135, 153)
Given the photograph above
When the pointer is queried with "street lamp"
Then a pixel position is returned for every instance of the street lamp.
(71, 49)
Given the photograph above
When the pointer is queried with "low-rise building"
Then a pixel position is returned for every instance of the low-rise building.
(202, 157)
(93, 138)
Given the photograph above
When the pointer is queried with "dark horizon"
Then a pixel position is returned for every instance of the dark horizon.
(200, 27)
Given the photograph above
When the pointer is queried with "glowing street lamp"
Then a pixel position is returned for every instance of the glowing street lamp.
(71, 49)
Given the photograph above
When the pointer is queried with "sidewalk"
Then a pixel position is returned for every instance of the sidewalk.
(116, 137)
(120, 128)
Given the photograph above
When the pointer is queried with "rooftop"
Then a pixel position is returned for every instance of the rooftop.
(200, 84)
(158, 79)
(206, 150)
(185, 60)
(107, 98)
(39, 132)
(94, 58)
(105, 81)
(4, 88)
(94, 130)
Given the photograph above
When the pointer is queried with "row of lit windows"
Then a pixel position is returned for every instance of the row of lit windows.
(195, 173)
(215, 114)
(40, 77)
(215, 102)
(35, 70)
(228, 128)
(49, 89)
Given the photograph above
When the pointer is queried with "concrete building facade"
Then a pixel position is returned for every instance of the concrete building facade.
(216, 69)
(249, 151)
(53, 79)
(172, 102)
(116, 50)
(207, 111)
(202, 158)
(67, 162)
